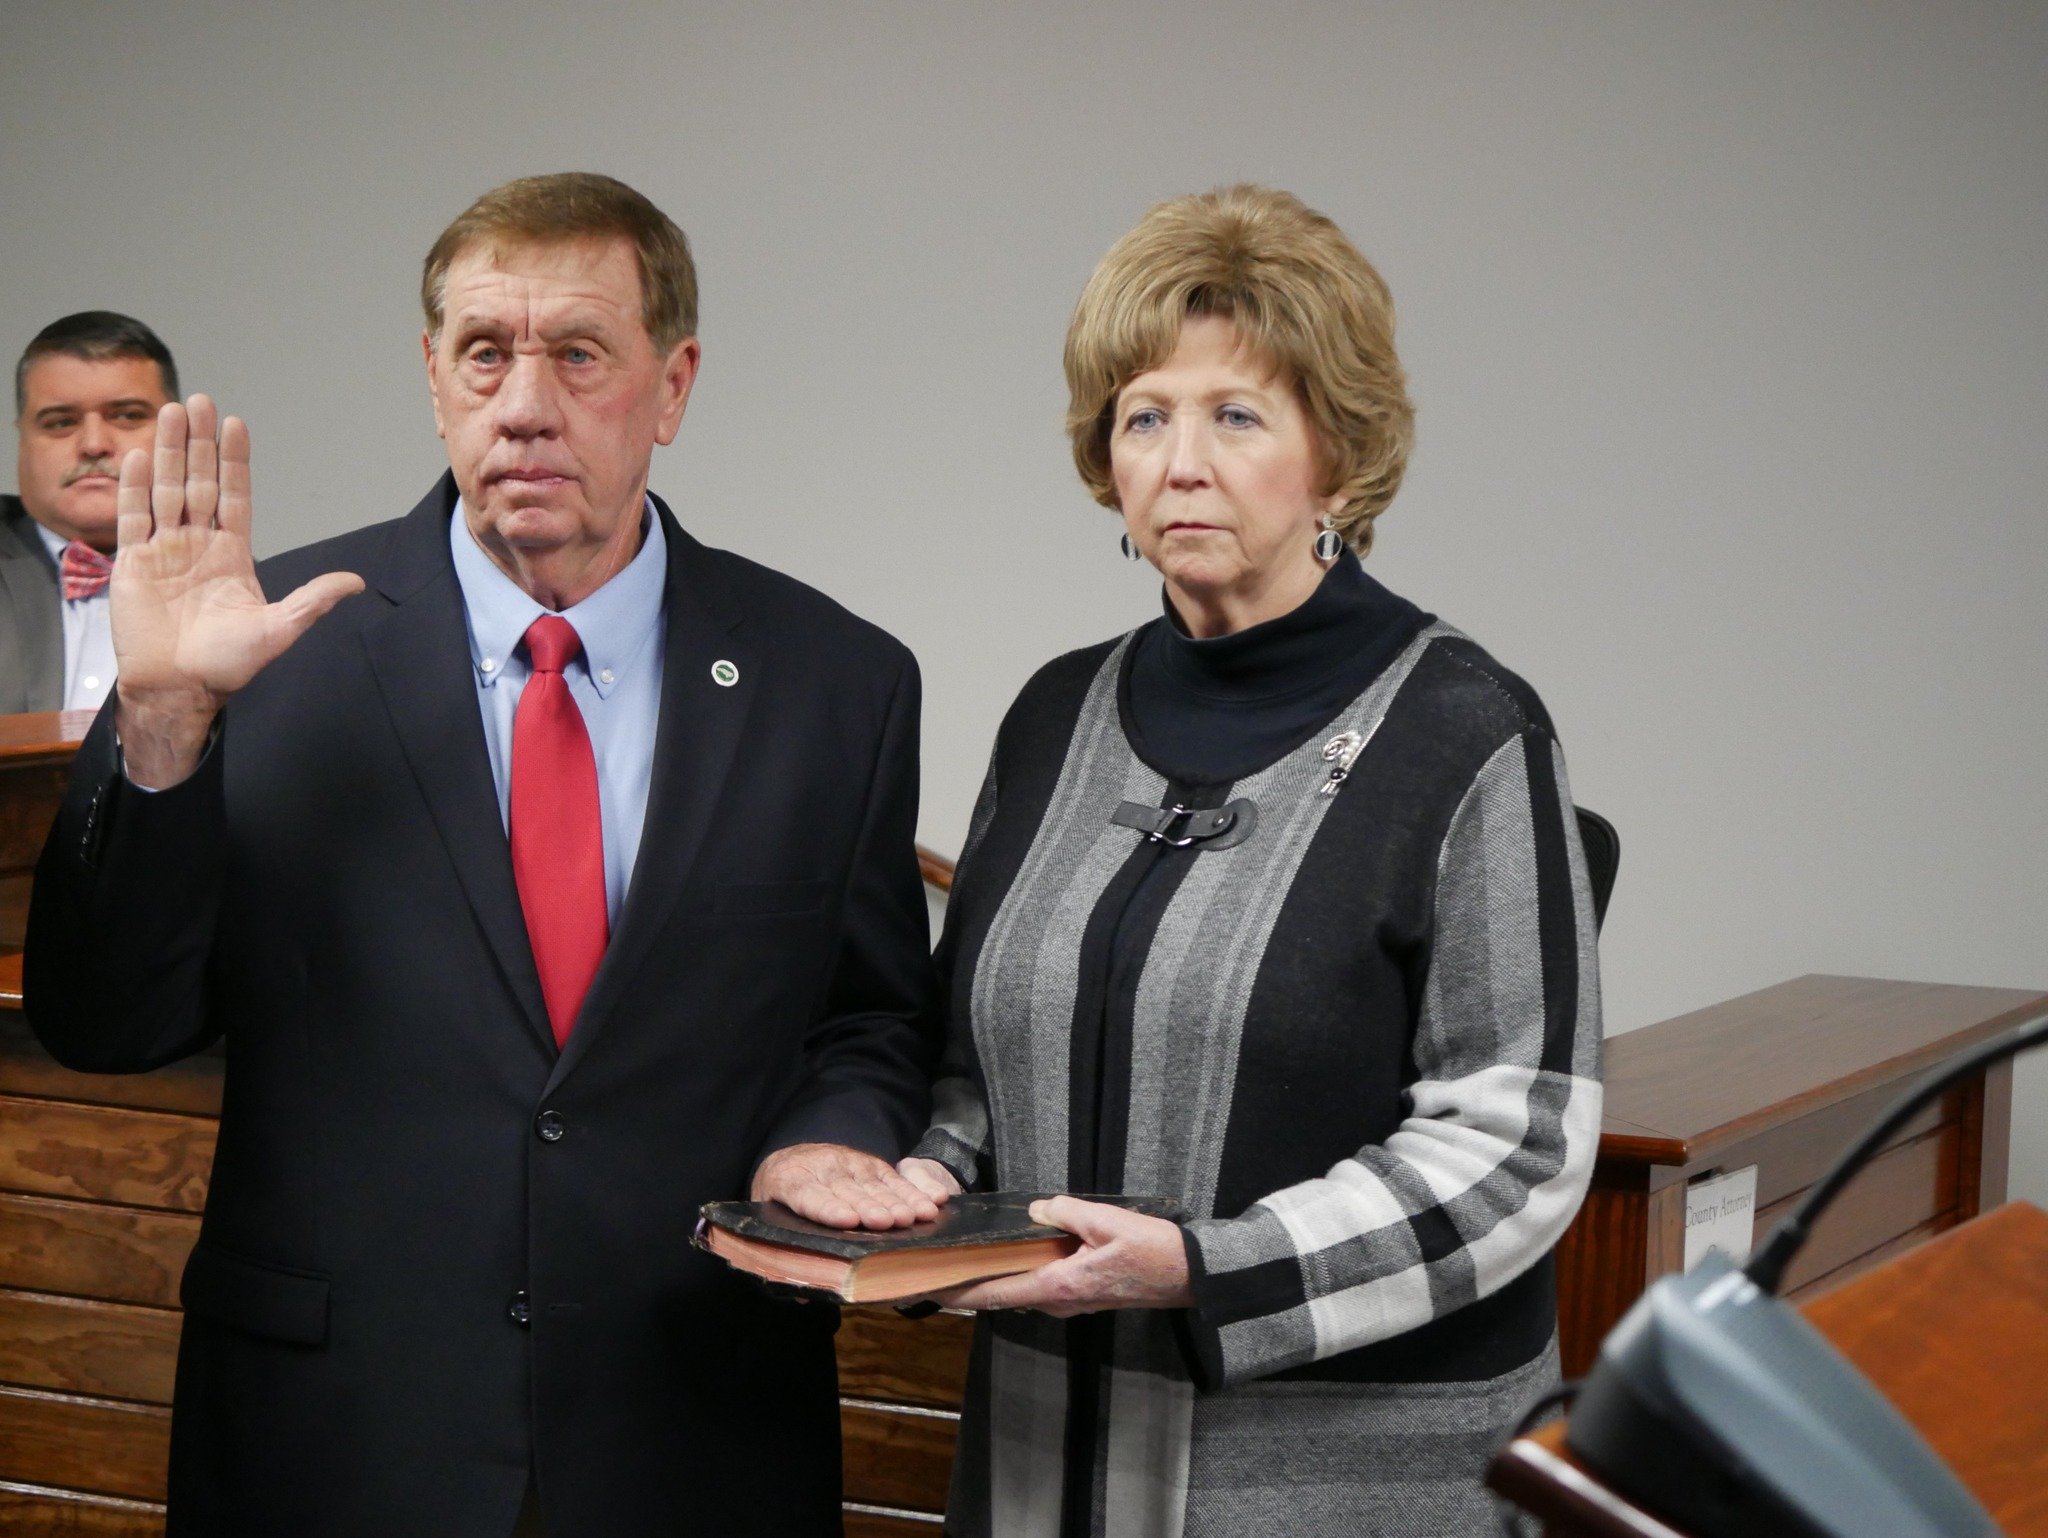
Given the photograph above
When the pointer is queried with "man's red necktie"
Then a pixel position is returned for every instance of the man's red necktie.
(84, 570)
(556, 831)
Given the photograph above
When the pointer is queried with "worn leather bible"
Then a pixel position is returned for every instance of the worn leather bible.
(975, 1236)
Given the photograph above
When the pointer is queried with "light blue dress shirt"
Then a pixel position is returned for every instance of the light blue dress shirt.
(616, 683)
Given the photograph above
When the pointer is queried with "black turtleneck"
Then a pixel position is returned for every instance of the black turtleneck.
(1219, 710)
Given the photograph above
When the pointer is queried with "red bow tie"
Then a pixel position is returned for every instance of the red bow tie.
(85, 571)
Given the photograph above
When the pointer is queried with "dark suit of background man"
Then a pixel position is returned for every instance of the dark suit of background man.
(444, 1283)
(86, 391)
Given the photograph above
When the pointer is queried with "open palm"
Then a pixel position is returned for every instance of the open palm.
(190, 622)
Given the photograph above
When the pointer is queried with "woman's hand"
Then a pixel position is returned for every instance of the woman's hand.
(930, 1177)
(1126, 1260)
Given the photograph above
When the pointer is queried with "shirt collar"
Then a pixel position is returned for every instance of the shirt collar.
(52, 542)
(616, 623)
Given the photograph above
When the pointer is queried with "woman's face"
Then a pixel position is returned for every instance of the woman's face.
(1215, 468)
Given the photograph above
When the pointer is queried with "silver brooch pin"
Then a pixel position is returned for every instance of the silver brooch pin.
(724, 674)
(1341, 752)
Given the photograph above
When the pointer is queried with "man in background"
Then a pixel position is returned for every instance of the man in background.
(87, 390)
(557, 881)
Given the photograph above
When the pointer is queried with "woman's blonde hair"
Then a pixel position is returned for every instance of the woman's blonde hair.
(1301, 297)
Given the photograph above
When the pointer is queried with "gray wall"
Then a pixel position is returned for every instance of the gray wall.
(1727, 323)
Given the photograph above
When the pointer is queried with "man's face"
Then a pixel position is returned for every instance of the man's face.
(551, 397)
(81, 416)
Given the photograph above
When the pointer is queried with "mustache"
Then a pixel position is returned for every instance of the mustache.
(101, 466)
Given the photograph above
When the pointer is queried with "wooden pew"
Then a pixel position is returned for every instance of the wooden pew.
(35, 761)
(101, 1182)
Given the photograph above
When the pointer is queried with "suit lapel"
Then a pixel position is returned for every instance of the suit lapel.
(419, 653)
(30, 579)
(694, 743)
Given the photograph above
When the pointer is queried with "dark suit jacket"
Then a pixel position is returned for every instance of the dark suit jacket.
(31, 616)
(433, 1250)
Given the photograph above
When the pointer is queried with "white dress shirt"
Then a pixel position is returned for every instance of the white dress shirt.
(88, 639)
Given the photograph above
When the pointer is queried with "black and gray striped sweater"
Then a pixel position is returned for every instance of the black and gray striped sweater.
(1359, 1046)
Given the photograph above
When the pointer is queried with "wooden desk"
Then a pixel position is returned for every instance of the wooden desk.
(1784, 1079)
(1955, 1333)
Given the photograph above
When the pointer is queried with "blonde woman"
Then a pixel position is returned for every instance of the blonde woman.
(1274, 906)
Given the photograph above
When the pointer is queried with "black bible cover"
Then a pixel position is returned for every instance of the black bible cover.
(975, 1236)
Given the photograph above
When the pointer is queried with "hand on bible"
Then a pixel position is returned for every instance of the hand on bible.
(1126, 1260)
(840, 1186)
(190, 624)
(930, 1177)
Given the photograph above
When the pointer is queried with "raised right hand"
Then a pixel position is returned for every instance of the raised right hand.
(190, 623)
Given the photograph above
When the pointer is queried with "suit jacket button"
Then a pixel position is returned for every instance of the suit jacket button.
(520, 1310)
(550, 1126)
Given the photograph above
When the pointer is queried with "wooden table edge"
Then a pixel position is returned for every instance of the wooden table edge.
(1661, 1147)
(44, 736)
(1531, 1464)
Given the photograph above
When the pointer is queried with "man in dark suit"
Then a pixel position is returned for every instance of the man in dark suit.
(87, 389)
(560, 881)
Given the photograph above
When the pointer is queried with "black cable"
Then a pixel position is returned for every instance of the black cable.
(1766, 1268)
(1563, 1394)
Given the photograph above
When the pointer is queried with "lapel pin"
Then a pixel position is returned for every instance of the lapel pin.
(724, 674)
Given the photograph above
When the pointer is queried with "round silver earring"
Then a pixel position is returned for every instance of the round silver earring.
(1329, 543)
(1130, 550)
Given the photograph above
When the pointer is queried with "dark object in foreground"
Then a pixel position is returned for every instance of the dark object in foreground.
(974, 1237)
(1714, 1402)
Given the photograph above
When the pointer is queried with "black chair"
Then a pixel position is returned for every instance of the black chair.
(1603, 857)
